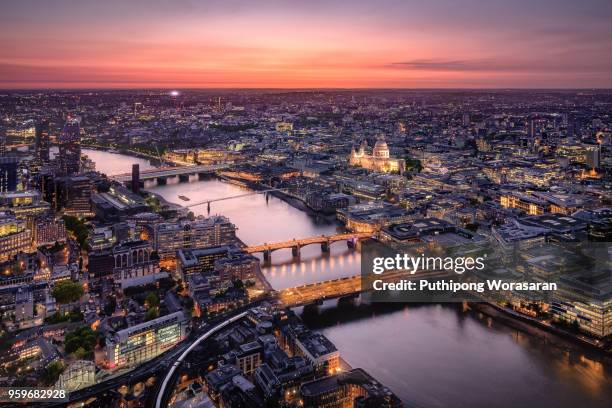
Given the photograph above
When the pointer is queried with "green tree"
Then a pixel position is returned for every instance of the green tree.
(82, 338)
(110, 306)
(78, 228)
(152, 313)
(67, 291)
(151, 301)
(52, 372)
(413, 164)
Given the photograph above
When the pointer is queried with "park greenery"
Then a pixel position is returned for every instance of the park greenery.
(80, 342)
(152, 313)
(152, 306)
(67, 291)
(73, 316)
(151, 300)
(413, 165)
(52, 372)
(78, 228)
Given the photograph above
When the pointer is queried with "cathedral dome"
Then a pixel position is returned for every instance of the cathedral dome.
(381, 149)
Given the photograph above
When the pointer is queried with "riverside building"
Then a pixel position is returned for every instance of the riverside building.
(144, 341)
(200, 233)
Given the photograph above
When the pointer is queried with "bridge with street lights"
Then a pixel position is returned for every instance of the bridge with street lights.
(347, 287)
(325, 241)
(161, 175)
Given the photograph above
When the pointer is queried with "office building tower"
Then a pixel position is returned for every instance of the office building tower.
(532, 128)
(2, 142)
(70, 148)
(593, 156)
(8, 173)
(73, 195)
(135, 178)
(42, 141)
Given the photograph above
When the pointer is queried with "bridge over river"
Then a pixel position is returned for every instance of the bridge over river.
(295, 244)
(163, 173)
(345, 287)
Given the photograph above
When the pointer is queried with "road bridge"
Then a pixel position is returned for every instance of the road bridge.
(342, 287)
(295, 244)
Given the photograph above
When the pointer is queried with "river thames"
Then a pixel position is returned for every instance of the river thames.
(430, 356)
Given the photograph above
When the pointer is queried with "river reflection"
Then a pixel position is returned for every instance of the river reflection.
(111, 163)
(438, 356)
(432, 355)
(260, 219)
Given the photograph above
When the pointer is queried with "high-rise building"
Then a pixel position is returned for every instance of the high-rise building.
(73, 195)
(48, 230)
(135, 178)
(532, 128)
(593, 156)
(8, 173)
(2, 142)
(70, 148)
(42, 141)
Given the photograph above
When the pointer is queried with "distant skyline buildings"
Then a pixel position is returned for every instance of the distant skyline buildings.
(304, 44)
(70, 148)
(42, 141)
(2, 141)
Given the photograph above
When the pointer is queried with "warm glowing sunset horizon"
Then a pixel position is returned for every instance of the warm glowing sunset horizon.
(306, 44)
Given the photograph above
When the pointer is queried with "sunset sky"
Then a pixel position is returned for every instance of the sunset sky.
(305, 44)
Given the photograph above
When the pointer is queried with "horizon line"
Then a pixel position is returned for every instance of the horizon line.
(165, 88)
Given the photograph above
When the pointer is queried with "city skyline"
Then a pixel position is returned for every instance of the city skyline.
(335, 44)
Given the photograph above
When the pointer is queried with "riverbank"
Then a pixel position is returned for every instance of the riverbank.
(505, 316)
(547, 333)
(294, 201)
(126, 152)
(410, 348)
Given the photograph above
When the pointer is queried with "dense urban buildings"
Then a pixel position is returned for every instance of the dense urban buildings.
(154, 219)
(306, 204)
